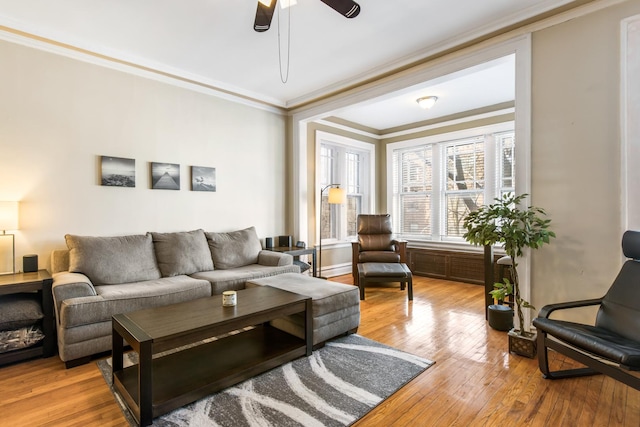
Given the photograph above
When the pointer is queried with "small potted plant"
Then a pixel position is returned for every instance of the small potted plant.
(505, 222)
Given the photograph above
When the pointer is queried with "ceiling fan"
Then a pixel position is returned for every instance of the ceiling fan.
(264, 14)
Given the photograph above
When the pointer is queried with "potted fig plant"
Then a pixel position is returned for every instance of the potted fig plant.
(506, 222)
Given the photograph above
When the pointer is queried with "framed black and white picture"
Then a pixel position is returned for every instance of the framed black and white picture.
(165, 176)
(118, 171)
(203, 178)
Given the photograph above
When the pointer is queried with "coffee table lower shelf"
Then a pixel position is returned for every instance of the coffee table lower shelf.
(188, 375)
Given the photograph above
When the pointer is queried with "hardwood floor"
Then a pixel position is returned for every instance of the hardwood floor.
(474, 382)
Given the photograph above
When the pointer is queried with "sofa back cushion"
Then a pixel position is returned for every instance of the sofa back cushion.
(234, 249)
(185, 252)
(113, 260)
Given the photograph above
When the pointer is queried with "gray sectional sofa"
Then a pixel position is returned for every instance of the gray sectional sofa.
(97, 277)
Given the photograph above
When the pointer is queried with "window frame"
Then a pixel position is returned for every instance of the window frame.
(367, 184)
(438, 144)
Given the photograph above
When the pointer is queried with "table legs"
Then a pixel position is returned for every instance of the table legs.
(145, 384)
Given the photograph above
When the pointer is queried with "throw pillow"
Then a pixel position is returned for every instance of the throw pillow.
(19, 310)
(234, 249)
(182, 253)
(113, 260)
(16, 339)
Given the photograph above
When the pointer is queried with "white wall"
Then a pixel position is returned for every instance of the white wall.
(58, 115)
(576, 155)
(576, 167)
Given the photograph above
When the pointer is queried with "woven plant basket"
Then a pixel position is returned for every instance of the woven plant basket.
(522, 345)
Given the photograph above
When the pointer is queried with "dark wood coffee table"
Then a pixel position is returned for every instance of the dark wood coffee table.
(158, 385)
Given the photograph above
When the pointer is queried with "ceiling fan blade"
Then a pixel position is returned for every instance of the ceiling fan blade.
(264, 14)
(347, 8)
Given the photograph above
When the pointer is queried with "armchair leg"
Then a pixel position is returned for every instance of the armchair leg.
(543, 363)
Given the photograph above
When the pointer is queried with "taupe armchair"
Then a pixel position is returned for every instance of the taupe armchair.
(376, 243)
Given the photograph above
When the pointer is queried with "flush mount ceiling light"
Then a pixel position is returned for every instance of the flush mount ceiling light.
(427, 101)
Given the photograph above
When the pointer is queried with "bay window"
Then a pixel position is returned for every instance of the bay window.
(438, 180)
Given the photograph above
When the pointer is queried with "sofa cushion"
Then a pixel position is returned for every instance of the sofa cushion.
(336, 306)
(128, 297)
(182, 253)
(234, 249)
(113, 260)
(20, 338)
(235, 279)
(328, 297)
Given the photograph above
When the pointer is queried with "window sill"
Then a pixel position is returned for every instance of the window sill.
(451, 246)
(336, 244)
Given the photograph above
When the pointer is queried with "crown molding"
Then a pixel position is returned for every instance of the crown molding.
(509, 27)
(138, 67)
(475, 40)
(356, 129)
(348, 128)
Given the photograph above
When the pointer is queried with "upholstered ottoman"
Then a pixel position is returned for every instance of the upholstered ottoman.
(336, 306)
(385, 272)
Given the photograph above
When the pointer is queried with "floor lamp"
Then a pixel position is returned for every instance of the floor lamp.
(9, 221)
(337, 196)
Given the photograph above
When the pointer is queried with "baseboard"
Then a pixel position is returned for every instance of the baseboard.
(336, 270)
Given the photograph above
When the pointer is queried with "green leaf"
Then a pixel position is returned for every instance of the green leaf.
(505, 222)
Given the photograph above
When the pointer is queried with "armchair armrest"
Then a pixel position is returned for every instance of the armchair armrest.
(70, 285)
(355, 255)
(355, 249)
(401, 249)
(274, 259)
(550, 308)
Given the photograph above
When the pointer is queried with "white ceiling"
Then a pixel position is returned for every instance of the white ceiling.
(213, 41)
(484, 85)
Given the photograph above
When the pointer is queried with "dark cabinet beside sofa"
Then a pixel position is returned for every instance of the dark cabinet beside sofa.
(25, 301)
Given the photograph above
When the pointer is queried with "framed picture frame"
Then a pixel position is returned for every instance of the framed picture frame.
(117, 171)
(203, 178)
(165, 176)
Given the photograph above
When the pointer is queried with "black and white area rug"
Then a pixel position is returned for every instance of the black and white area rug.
(337, 385)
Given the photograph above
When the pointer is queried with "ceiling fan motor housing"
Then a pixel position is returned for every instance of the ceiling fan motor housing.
(264, 13)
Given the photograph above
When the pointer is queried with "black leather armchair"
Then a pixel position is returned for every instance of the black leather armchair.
(612, 345)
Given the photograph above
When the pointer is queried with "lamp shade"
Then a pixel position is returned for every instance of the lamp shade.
(337, 196)
(8, 216)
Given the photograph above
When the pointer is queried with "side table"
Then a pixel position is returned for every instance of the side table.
(40, 282)
(296, 252)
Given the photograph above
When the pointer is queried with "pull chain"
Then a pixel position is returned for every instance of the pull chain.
(284, 77)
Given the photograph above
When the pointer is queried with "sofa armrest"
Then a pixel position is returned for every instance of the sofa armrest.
(70, 285)
(274, 259)
(78, 311)
(550, 308)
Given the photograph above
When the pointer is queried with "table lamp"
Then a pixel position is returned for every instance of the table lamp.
(9, 221)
